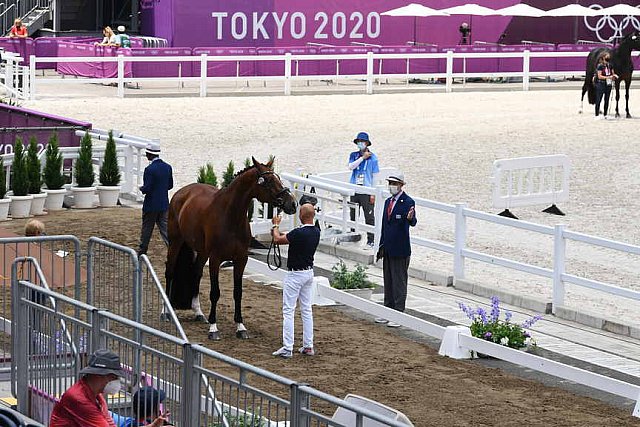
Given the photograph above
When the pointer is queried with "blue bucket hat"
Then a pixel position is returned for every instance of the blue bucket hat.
(362, 136)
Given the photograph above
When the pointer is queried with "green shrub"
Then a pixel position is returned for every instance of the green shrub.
(34, 169)
(345, 279)
(20, 177)
(84, 166)
(3, 180)
(53, 178)
(206, 175)
(109, 171)
(228, 174)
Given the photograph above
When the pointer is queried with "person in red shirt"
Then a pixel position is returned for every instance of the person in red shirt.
(84, 404)
(18, 30)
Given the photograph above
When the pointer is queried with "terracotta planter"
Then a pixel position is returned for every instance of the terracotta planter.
(37, 205)
(108, 195)
(21, 206)
(55, 199)
(4, 209)
(83, 197)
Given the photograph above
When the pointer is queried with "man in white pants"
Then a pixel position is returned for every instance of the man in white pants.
(297, 284)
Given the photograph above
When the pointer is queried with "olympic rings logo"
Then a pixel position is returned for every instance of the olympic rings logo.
(613, 25)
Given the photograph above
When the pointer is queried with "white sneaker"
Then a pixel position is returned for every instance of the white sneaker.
(599, 117)
(381, 320)
(283, 352)
(393, 325)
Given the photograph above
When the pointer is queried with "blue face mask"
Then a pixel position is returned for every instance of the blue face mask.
(362, 145)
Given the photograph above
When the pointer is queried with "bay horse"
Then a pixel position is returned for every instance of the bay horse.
(206, 223)
(620, 62)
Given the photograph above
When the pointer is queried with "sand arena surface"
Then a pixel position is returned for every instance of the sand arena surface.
(444, 143)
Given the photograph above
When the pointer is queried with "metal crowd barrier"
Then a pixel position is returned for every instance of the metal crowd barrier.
(47, 364)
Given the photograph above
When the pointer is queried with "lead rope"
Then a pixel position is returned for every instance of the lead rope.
(274, 261)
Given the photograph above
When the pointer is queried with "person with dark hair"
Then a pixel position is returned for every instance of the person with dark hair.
(83, 404)
(157, 181)
(146, 408)
(364, 167)
(465, 30)
(604, 82)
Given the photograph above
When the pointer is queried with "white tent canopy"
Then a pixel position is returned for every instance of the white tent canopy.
(414, 9)
(572, 10)
(521, 9)
(469, 9)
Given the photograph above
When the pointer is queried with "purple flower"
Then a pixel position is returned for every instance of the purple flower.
(467, 310)
(495, 309)
(507, 316)
(527, 334)
(488, 335)
(483, 315)
(529, 323)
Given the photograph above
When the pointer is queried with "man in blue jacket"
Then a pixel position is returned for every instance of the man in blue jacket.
(157, 181)
(395, 246)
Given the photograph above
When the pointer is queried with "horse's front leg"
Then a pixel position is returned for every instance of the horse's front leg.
(238, 272)
(214, 296)
(627, 83)
(617, 97)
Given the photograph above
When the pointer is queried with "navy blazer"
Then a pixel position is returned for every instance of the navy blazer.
(157, 181)
(395, 228)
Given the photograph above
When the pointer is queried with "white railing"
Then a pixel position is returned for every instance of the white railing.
(291, 63)
(16, 77)
(335, 193)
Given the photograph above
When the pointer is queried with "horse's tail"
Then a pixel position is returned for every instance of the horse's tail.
(184, 283)
(591, 92)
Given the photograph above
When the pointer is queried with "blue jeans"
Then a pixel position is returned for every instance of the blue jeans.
(602, 89)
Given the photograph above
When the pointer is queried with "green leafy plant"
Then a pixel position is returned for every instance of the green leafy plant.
(206, 175)
(345, 279)
(34, 168)
(246, 420)
(109, 171)
(85, 176)
(228, 175)
(53, 178)
(490, 327)
(3, 179)
(20, 176)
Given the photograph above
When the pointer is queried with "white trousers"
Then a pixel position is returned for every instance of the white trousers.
(297, 285)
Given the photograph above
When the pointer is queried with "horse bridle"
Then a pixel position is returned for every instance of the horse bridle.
(278, 197)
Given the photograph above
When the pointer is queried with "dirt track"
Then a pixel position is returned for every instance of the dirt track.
(356, 356)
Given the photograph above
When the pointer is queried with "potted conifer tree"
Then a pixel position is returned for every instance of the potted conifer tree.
(20, 199)
(34, 171)
(109, 188)
(53, 178)
(84, 191)
(4, 201)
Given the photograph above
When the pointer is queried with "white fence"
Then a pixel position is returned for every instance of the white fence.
(333, 196)
(291, 63)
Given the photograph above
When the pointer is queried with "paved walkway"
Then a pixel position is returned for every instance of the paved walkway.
(617, 356)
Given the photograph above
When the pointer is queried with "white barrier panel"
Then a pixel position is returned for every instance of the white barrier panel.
(528, 181)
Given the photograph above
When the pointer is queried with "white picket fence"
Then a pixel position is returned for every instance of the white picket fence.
(291, 63)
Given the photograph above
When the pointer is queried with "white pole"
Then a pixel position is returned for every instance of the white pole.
(449, 84)
(526, 58)
(120, 76)
(287, 73)
(369, 73)
(203, 75)
(32, 77)
(460, 242)
(559, 255)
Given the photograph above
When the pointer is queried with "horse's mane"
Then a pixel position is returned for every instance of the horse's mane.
(243, 171)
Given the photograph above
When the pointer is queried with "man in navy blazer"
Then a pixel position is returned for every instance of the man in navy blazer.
(395, 246)
(157, 181)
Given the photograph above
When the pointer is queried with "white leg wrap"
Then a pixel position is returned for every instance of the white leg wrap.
(213, 327)
(195, 306)
(240, 327)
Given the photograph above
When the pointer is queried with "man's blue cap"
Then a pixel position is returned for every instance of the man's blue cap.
(362, 136)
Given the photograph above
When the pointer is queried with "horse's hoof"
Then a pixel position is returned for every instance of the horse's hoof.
(628, 116)
(243, 335)
(214, 336)
(164, 317)
(200, 318)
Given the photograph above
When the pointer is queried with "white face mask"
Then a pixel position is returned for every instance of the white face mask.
(362, 145)
(394, 189)
(112, 387)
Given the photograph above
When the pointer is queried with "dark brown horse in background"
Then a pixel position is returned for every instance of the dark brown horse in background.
(210, 224)
(621, 63)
